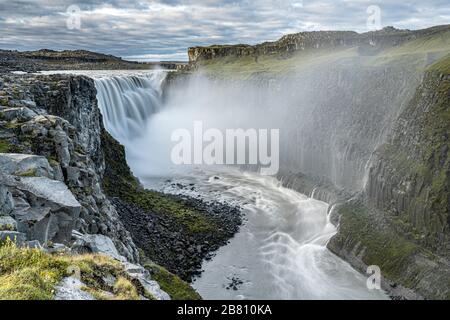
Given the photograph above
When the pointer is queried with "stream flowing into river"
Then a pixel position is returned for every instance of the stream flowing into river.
(280, 251)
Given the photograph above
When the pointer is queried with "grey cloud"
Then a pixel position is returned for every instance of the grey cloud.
(163, 29)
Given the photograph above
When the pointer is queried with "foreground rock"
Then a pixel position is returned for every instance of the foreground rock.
(53, 160)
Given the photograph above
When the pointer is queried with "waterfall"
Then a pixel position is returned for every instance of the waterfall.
(280, 251)
(126, 102)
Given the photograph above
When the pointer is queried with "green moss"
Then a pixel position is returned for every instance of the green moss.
(13, 124)
(32, 274)
(4, 101)
(421, 171)
(53, 162)
(7, 227)
(173, 285)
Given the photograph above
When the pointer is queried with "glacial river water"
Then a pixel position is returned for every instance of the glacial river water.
(280, 251)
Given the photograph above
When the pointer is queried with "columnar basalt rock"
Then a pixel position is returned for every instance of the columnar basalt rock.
(53, 125)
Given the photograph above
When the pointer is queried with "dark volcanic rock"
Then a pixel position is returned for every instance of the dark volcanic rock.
(168, 243)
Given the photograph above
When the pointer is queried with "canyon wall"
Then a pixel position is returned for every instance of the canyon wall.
(368, 136)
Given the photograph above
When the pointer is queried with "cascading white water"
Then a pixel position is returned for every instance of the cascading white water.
(280, 252)
(126, 102)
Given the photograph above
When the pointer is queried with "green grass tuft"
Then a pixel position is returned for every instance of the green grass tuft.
(173, 285)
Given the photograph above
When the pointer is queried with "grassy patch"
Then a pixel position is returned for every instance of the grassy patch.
(173, 285)
(32, 274)
(28, 274)
(415, 54)
(432, 43)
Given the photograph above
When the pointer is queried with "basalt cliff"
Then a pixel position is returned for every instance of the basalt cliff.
(370, 117)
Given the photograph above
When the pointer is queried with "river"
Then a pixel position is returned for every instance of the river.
(280, 251)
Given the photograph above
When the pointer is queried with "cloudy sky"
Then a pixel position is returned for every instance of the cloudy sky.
(163, 29)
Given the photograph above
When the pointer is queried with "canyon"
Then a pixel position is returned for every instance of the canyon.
(364, 124)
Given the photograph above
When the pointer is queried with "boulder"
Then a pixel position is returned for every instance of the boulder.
(28, 103)
(62, 146)
(154, 289)
(25, 164)
(49, 212)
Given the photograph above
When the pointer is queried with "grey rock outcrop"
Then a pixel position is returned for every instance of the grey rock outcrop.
(45, 209)
(21, 113)
(404, 207)
(100, 244)
(54, 122)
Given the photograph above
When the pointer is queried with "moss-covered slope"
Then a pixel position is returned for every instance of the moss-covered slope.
(403, 222)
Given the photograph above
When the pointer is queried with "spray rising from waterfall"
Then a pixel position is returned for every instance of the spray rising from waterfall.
(281, 251)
